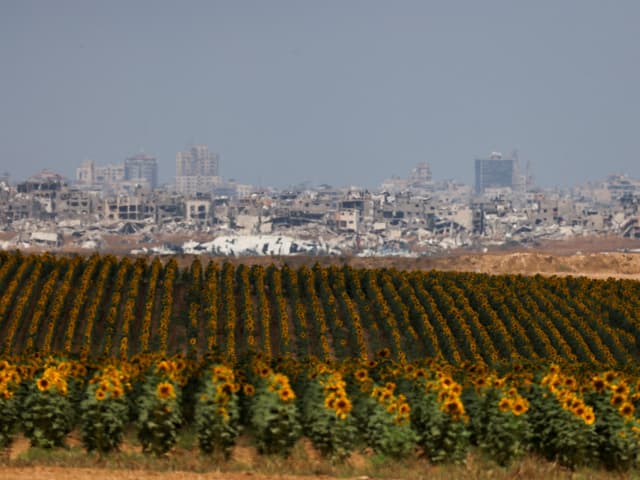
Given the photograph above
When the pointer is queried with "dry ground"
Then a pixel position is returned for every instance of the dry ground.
(597, 257)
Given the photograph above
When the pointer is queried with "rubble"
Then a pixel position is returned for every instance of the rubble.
(411, 218)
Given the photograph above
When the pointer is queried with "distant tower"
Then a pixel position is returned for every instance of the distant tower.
(142, 167)
(420, 175)
(196, 170)
(493, 172)
(198, 160)
(86, 173)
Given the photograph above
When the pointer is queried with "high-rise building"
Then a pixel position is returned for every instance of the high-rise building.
(109, 175)
(494, 172)
(196, 170)
(86, 173)
(143, 168)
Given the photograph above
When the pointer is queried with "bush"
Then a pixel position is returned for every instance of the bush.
(439, 419)
(617, 429)
(562, 424)
(326, 416)
(500, 425)
(386, 422)
(47, 414)
(104, 412)
(159, 415)
(217, 412)
(274, 416)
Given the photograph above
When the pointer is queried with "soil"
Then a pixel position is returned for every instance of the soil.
(49, 473)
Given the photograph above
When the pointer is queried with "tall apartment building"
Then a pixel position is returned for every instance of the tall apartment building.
(86, 173)
(143, 168)
(196, 170)
(494, 172)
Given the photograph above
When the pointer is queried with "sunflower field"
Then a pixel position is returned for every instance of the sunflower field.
(402, 362)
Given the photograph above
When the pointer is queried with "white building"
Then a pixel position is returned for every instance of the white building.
(196, 170)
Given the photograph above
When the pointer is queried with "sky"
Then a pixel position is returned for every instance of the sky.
(342, 92)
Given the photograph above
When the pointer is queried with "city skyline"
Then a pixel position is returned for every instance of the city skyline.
(338, 93)
(90, 171)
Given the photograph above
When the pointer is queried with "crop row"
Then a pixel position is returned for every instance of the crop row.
(395, 408)
(101, 307)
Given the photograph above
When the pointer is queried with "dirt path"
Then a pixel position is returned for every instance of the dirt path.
(51, 473)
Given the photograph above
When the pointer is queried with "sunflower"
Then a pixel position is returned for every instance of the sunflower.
(280, 381)
(163, 367)
(609, 376)
(248, 389)
(43, 384)
(454, 408)
(520, 406)
(621, 389)
(598, 384)
(404, 409)
(330, 402)
(385, 395)
(342, 406)
(286, 394)
(384, 353)
(443, 396)
(504, 405)
(480, 382)
(225, 389)
(117, 392)
(165, 391)
(264, 372)
(626, 409)
(589, 418)
(499, 382)
(361, 375)
(617, 400)
(100, 394)
(579, 410)
(421, 373)
(390, 386)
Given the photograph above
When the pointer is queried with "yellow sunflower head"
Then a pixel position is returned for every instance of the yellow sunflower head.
(286, 394)
(165, 391)
(43, 384)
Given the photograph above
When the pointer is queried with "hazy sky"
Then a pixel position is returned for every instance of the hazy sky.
(336, 91)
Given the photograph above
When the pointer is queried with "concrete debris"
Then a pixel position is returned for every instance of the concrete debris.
(414, 217)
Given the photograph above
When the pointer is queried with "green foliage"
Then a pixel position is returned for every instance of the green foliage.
(501, 433)
(443, 437)
(618, 439)
(8, 420)
(103, 418)
(9, 383)
(159, 415)
(217, 412)
(46, 417)
(558, 433)
(329, 425)
(274, 416)
(385, 422)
